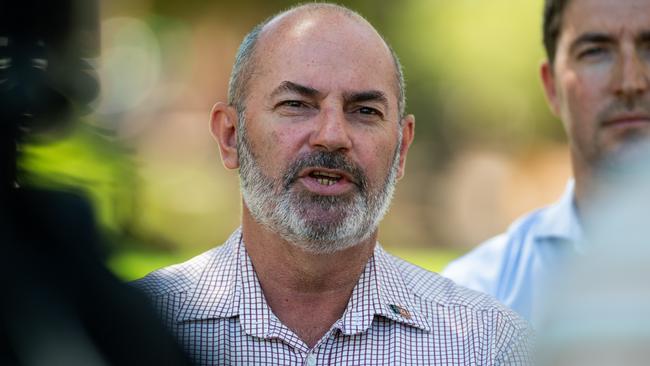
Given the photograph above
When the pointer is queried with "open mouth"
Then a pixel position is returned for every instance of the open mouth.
(327, 181)
(627, 120)
(324, 178)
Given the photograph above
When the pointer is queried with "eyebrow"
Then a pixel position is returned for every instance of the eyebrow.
(590, 38)
(288, 86)
(350, 97)
(603, 38)
(366, 96)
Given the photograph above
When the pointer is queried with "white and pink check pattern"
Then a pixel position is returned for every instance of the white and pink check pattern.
(398, 314)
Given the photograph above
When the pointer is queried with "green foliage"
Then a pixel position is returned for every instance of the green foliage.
(475, 62)
(133, 264)
(433, 259)
(84, 161)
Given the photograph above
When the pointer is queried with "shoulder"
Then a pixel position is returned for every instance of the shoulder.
(181, 277)
(434, 289)
(480, 268)
(487, 254)
(479, 316)
(520, 229)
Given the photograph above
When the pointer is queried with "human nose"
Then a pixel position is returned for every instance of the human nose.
(331, 132)
(633, 77)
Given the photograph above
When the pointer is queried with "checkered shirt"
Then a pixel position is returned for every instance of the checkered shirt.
(398, 314)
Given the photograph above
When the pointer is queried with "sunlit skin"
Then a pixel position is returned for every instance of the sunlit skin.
(599, 83)
(326, 82)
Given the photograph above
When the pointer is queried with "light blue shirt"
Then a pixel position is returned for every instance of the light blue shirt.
(514, 266)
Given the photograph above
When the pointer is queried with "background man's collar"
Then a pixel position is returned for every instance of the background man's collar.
(560, 221)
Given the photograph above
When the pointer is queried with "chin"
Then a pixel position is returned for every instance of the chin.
(325, 247)
(625, 155)
(319, 240)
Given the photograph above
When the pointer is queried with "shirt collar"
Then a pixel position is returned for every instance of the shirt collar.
(560, 220)
(217, 292)
(381, 290)
(228, 286)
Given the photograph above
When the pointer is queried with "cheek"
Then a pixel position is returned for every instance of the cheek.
(275, 145)
(582, 99)
(280, 147)
(378, 157)
(588, 86)
(266, 146)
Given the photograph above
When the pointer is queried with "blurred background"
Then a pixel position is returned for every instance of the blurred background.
(486, 149)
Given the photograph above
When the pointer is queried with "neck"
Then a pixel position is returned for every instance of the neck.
(594, 182)
(585, 182)
(307, 291)
(582, 186)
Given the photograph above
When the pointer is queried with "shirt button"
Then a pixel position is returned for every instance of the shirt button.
(311, 360)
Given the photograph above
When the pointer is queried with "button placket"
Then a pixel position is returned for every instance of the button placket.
(311, 359)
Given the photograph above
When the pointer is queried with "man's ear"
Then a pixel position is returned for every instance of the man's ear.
(408, 133)
(223, 125)
(549, 82)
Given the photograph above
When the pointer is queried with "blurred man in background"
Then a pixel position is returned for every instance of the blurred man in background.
(596, 79)
(316, 125)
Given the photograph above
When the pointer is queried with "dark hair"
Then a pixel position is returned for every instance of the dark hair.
(552, 27)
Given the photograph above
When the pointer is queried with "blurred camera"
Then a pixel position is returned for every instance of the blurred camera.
(46, 73)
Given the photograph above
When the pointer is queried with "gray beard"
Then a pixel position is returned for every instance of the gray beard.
(314, 223)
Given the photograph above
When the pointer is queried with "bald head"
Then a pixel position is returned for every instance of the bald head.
(309, 20)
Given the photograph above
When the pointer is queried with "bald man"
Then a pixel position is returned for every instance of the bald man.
(315, 124)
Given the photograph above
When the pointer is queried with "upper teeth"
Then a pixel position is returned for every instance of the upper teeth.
(330, 175)
(326, 179)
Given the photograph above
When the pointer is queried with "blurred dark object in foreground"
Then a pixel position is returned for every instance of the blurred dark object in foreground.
(59, 304)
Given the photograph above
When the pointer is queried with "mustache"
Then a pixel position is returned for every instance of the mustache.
(327, 160)
(624, 105)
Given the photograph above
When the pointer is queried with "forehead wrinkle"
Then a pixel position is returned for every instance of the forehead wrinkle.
(299, 23)
(289, 86)
(636, 33)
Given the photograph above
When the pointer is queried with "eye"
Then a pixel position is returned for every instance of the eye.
(592, 52)
(291, 104)
(294, 108)
(370, 111)
(366, 114)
